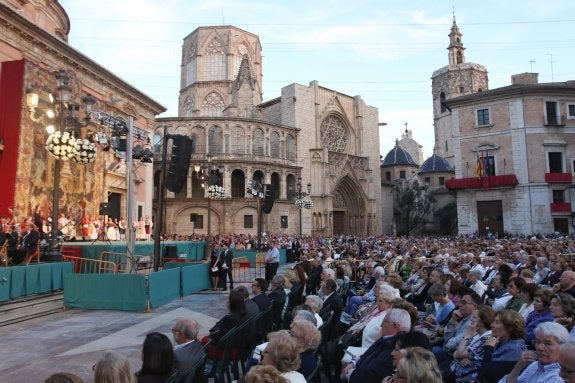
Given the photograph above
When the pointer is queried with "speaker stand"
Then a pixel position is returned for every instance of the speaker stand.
(104, 237)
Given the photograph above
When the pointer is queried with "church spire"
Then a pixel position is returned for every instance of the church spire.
(456, 49)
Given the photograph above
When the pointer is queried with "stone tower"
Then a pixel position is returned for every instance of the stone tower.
(459, 78)
(221, 73)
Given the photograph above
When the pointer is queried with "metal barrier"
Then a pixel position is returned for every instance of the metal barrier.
(91, 266)
(244, 271)
(129, 264)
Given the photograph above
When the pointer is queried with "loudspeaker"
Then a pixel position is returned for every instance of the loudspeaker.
(179, 165)
(269, 198)
(104, 209)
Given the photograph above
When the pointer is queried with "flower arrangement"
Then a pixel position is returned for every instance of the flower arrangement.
(61, 145)
(301, 203)
(254, 193)
(85, 151)
(216, 192)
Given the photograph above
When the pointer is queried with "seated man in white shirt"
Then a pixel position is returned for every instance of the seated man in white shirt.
(476, 284)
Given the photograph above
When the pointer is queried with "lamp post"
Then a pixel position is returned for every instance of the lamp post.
(210, 175)
(300, 202)
(64, 141)
(256, 190)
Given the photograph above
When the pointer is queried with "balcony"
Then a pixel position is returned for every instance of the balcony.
(506, 180)
(560, 207)
(558, 178)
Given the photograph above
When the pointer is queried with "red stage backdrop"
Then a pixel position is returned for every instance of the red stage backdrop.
(11, 91)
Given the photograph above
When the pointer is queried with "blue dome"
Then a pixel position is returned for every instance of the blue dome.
(433, 164)
(398, 156)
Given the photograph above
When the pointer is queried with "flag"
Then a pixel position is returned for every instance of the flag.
(478, 166)
(482, 163)
(486, 164)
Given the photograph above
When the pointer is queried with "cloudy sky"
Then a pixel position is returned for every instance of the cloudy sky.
(385, 51)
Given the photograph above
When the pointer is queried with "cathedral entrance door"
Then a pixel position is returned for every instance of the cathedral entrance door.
(338, 222)
(490, 218)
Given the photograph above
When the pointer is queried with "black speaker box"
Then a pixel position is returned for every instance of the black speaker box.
(104, 209)
(269, 198)
(179, 163)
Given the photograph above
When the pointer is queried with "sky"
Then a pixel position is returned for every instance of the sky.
(384, 51)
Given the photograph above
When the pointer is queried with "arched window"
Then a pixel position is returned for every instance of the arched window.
(238, 184)
(197, 187)
(258, 176)
(258, 142)
(276, 183)
(459, 57)
(291, 148)
(187, 107)
(213, 105)
(442, 102)
(275, 145)
(215, 140)
(215, 68)
(291, 187)
(199, 137)
(238, 143)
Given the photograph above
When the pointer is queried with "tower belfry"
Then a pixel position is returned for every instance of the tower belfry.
(456, 48)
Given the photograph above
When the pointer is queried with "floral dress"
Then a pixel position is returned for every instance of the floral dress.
(475, 350)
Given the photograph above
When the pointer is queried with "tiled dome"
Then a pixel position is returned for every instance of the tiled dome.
(398, 156)
(435, 163)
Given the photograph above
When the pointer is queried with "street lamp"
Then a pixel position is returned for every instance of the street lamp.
(210, 177)
(64, 141)
(257, 190)
(302, 203)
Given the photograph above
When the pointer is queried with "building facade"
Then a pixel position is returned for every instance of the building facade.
(33, 46)
(329, 139)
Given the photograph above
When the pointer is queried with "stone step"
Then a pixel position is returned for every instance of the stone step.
(34, 306)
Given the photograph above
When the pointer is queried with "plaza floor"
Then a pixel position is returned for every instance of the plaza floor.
(73, 340)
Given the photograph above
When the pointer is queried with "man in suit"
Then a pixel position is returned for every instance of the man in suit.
(27, 244)
(226, 258)
(332, 302)
(376, 363)
(277, 297)
(188, 351)
(259, 288)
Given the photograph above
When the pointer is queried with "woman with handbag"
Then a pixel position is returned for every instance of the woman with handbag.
(215, 264)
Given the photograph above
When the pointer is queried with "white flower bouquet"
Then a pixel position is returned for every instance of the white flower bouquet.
(216, 192)
(61, 145)
(85, 151)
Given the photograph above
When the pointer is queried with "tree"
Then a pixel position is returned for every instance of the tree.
(413, 203)
(447, 217)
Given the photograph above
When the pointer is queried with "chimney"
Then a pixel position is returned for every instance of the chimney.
(525, 79)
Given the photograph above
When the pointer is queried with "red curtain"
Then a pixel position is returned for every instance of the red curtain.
(11, 91)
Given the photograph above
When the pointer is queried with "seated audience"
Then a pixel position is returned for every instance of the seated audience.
(539, 314)
(527, 294)
(514, 288)
(264, 374)
(315, 302)
(237, 315)
(113, 367)
(157, 359)
(562, 309)
(504, 347)
(277, 297)
(540, 365)
(567, 362)
(188, 351)
(63, 377)
(566, 283)
(469, 353)
(308, 339)
(282, 352)
(417, 365)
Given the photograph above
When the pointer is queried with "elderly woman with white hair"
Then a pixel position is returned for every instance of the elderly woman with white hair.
(315, 302)
(541, 365)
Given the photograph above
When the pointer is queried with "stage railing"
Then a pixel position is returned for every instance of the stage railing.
(91, 266)
(244, 271)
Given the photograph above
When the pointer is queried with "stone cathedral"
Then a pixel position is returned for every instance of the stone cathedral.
(321, 136)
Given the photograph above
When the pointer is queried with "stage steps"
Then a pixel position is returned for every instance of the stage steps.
(30, 307)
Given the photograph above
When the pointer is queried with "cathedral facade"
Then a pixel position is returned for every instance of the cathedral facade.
(309, 134)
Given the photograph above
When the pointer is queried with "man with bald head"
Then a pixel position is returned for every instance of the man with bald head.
(188, 351)
(567, 362)
(566, 283)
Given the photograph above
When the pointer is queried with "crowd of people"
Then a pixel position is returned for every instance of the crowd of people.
(390, 309)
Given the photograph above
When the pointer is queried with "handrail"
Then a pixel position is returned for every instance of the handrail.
(92, 266)
(125, 262)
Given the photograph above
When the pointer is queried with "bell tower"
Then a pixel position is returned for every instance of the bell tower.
(458, 78)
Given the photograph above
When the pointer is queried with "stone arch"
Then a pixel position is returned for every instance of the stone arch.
(276, 182)
(213, 105)
(275, 144)
(181, 224)
(291, 187)
(199, 136)
(215, 139)
(238, 140)
(291, 148)
(238, 184)
(349, 208)
(258, 142)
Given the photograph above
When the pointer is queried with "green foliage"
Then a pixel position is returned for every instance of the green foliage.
(413, 203)
(447, 216)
